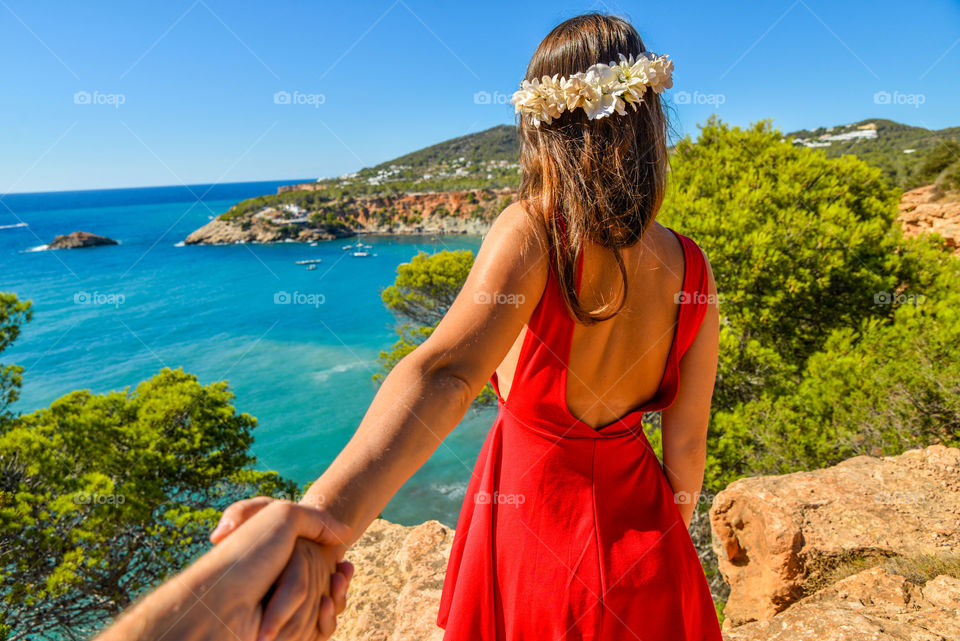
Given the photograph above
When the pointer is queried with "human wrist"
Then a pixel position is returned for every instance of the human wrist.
(319, 497)
(168, 612)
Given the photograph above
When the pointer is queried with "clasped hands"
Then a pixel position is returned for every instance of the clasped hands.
(310, 591)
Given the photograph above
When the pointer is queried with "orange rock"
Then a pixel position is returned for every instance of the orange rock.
(929, 210)
(776, 535)
(873, 604)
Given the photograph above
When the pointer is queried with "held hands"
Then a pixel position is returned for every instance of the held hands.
(311, 590)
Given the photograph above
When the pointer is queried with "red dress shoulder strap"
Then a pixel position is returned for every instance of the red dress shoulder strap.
(694, 298)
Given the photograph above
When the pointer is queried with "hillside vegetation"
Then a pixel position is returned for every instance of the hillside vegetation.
(909, 156)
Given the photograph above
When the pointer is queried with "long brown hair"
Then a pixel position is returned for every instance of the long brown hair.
(600, 180)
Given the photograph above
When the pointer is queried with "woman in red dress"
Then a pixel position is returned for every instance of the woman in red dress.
(586, 314)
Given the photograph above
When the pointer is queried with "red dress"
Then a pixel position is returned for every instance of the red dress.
(570, 532)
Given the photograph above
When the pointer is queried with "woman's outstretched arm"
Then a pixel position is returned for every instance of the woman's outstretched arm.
(428, 392)
(684, 424)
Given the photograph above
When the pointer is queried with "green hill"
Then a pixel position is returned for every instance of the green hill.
(498, 143)
(910, 156)
(484, 160)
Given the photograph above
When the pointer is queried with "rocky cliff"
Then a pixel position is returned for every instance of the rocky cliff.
(450, 212)
(930, 209)
(867, 549)
(395, 592)
(922, 210)
(784, 542)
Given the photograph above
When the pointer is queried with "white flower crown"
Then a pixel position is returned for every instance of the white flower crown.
(600, 90)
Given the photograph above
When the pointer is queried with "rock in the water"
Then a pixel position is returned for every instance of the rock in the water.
(777, 537)
(395, 592)
(873, 604)
(80, 239)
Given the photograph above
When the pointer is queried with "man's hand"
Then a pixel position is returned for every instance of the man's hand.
(220, 596)
(299, 603)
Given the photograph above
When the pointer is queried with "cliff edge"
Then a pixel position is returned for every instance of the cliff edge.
(891, 524)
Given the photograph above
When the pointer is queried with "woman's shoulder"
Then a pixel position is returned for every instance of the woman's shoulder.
(519, 223)
(687, 243)
(516, 243)
(696, 258)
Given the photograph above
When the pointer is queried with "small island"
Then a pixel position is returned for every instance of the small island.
(80, 239)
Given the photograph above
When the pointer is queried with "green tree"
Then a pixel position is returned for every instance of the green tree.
(13, 314)
(421, 294)
(800, 244)
(941, 164)
(877, 388)
(426, 286)
(103, 495)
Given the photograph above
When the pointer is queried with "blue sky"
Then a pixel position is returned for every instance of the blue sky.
(116, 94)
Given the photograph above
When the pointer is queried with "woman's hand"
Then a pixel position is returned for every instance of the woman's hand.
(299, 604)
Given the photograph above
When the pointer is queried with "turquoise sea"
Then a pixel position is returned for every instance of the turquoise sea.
(108, 317)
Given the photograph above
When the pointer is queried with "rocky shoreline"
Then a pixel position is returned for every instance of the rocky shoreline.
(922, 210)
(428, 214)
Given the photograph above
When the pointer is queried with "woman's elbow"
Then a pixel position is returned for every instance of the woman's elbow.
(441, 376)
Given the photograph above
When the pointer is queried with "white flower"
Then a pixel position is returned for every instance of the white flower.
(600, 91)
(540, 100)
(577, 92)
(660, 74)
(607, 89)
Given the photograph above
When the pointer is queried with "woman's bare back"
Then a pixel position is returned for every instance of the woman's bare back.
(617, 365)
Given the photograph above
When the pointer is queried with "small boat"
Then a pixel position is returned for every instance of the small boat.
(311, 267)
(346, 247)
(360, 254)
(313, 244)
(313, 261)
